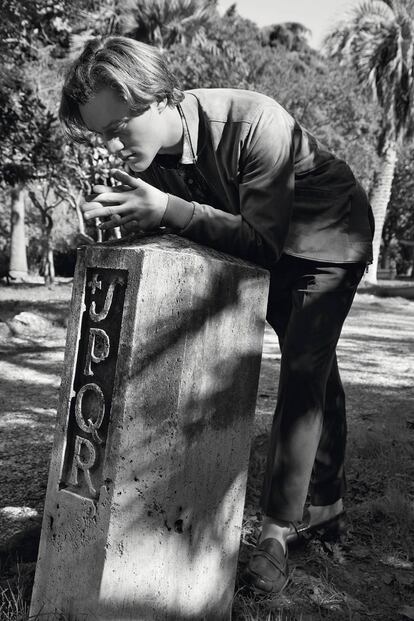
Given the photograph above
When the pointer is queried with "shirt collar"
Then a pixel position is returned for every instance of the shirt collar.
(188, 110)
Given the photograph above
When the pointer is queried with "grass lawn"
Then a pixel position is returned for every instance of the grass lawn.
(368, 575)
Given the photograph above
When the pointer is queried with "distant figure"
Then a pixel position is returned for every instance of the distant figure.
(232, 169)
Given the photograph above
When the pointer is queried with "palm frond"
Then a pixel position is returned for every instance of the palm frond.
(378, 41)
(166, 22)
(337, 42)
(373, 10)
(369, 16)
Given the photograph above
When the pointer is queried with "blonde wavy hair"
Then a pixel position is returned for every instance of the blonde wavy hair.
(136, 71)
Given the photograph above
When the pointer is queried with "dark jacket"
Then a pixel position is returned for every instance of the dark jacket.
(272, 188)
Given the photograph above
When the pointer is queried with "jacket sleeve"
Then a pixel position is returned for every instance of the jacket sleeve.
(266, 192)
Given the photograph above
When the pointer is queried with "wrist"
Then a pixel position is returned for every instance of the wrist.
(178, 212)
(163, 208)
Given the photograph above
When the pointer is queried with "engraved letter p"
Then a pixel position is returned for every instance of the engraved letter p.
(98, 348)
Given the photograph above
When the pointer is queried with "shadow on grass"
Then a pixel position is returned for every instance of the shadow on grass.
(56, 312)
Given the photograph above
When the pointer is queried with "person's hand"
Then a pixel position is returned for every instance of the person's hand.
(135, 201)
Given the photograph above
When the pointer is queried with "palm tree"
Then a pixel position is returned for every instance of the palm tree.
(12, 174)
(166, 22)
(378, 41)
(18, 258)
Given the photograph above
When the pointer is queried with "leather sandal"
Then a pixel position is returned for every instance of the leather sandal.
(303, 531)
(267, 571)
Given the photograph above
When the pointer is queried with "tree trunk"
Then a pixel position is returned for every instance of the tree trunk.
(50, 278)
(18, 259)
(74, 200)
(379, 200)
(47, 260)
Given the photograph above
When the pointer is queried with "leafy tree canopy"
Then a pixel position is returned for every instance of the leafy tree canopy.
(399, 223)
(291, 35)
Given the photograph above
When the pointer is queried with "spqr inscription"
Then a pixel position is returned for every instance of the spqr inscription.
(89, 409)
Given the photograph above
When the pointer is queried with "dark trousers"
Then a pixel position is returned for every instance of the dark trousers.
(308, 303)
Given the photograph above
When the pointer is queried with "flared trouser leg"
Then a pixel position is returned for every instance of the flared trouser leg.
(327, 482)
(308, 303)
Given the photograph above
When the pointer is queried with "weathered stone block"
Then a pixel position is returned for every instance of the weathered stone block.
(148, 473)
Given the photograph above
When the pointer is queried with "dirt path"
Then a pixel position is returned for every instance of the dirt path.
(371, 574)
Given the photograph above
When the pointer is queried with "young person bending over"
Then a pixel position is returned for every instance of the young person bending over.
(231, 169)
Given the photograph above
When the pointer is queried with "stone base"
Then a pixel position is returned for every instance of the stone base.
(147, 481)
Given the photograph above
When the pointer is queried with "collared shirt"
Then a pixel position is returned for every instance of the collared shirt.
(185, 169)
(254, 183)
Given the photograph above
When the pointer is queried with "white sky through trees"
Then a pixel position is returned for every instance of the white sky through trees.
(317, 15)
